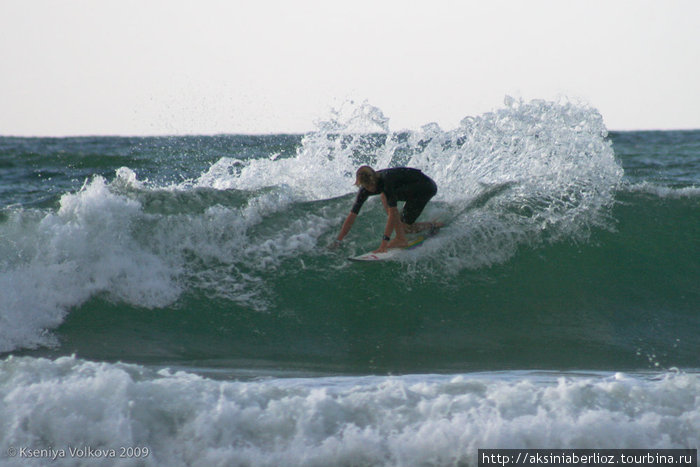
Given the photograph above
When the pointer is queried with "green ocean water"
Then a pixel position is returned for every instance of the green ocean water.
(626, 299)
(211, 251)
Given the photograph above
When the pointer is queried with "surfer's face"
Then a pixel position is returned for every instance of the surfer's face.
(370, 186)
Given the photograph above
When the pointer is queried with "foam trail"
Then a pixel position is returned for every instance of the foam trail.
(184, 419)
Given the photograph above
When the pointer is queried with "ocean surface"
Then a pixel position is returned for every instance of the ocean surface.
(175, 299)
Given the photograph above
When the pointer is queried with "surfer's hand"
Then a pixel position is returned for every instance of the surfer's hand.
(335, 244)
(382, 248)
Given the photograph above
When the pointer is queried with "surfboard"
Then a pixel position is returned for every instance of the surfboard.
(393, 253)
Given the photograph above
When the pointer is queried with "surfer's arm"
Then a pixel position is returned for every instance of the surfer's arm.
(362, 196)
(385, 203)
(347, 225)
(392, 224)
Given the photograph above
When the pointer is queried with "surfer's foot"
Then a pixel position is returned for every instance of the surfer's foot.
(417, 227)
(434, 227)
(397, 243)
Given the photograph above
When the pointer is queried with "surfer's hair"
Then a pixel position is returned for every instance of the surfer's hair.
(366, 176)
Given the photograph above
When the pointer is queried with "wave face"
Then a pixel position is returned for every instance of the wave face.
(565, 247)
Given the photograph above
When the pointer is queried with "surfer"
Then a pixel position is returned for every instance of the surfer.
(395, 184)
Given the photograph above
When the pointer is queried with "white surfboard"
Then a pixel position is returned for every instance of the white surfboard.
(392, 253)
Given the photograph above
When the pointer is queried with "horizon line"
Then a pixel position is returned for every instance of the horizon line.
(265, 133)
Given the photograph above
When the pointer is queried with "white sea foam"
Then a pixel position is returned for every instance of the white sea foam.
(184, 419)
(664, 191)
(60, 259)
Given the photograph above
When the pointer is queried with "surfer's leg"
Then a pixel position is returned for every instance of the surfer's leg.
(411, 210)
(399, 240)
(394, 225)
(414, 207)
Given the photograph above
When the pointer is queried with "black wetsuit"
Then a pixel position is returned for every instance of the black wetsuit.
(401, 184)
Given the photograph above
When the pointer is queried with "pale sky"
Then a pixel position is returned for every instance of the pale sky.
(140, 67)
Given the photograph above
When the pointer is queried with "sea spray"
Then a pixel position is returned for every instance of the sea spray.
(560, 167)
